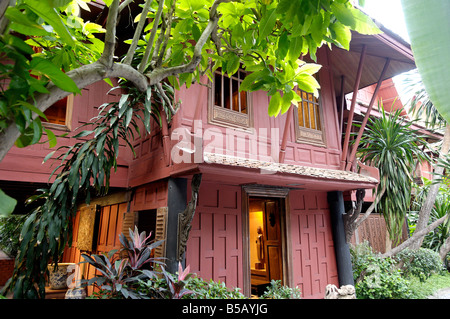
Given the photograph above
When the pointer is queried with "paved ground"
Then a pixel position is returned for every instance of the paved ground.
(441, 294)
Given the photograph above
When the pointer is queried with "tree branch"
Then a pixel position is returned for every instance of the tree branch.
(124, 4)
(148, 49)
(107, 57)
(371, 208)
(427, 206)
(137, 33)
(82, 76)
(158, 74)
(416, 236)
(165, 97)
(167, 34)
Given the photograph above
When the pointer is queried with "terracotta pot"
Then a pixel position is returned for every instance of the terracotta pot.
(58, 277)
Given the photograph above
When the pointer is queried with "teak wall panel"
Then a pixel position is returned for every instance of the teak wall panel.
(214, 246)
(312, 243)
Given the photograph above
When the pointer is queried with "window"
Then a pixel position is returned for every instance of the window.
(228, 106)
(59, 115)
(309, 126)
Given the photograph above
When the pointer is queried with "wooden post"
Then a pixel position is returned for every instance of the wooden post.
(341, 248)
(352, 108)
(341, 120)
(176, 203)
(285, 135)
(366, 118)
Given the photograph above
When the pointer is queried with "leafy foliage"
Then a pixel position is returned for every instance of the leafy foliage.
(179, 42)
(85, 168)
(392, 145)
(119, 276)
(376, 277)
(421, 263)
(436, 238)
(276, 291)
(202, 289)
(195, 288)
(10, 232)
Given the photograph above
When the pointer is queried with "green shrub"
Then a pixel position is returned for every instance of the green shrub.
(197, 287)
(10, 228)
(277, 291)
(202, 289)
(376, 277)
(382, 280)
(421, 263)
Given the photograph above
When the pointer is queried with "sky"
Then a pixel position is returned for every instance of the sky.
(389, 13)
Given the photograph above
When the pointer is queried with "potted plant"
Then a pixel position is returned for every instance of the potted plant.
(58, 275)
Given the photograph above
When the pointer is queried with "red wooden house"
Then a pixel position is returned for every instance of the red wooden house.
(271, 195)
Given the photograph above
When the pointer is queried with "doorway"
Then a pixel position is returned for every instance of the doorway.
(265, 242)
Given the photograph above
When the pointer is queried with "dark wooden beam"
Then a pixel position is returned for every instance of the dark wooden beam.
(366, 117)
(352, 108)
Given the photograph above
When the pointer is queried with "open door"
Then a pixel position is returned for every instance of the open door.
(265, 243)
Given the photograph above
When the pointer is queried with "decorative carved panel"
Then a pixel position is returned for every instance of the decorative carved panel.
(86, 228)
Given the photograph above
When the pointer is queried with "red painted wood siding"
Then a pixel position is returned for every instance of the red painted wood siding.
(25, 164)
(314, 261)
(214, 248)
(149, 165)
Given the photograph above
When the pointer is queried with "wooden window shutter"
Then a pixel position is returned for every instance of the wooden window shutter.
(160, 232)
(87, 228)
(129, 221)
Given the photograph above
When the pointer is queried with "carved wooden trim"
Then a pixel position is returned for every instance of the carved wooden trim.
(86, 228)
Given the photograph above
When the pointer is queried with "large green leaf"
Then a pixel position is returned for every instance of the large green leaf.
(46, 10)
(7, 204)
(428, 30)
(59, 78)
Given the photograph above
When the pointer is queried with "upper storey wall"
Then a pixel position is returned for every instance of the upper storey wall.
(199, 128)
(25, 164)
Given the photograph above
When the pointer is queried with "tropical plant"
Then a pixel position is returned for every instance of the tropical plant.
(120, 276)
(139, 249)
(84, 169)
(167, 285)
(176, 287)
(435, 239)
(426, 26)
(174, 43)
(391, 144)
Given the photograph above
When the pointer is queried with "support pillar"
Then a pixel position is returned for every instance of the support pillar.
(342, 249)
(176, 203)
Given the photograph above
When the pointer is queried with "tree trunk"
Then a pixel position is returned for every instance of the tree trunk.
(425, 211)
(445, 249)
(418, 235)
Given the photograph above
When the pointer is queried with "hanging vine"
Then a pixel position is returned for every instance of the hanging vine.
(84, 171)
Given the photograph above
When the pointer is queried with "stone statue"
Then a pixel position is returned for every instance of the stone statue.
(345, 292)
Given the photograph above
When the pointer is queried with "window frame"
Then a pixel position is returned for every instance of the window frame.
(222, 116)
(67, 126)
(310, 136)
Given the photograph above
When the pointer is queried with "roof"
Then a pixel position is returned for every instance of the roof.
(379, 47)
(292, 169)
